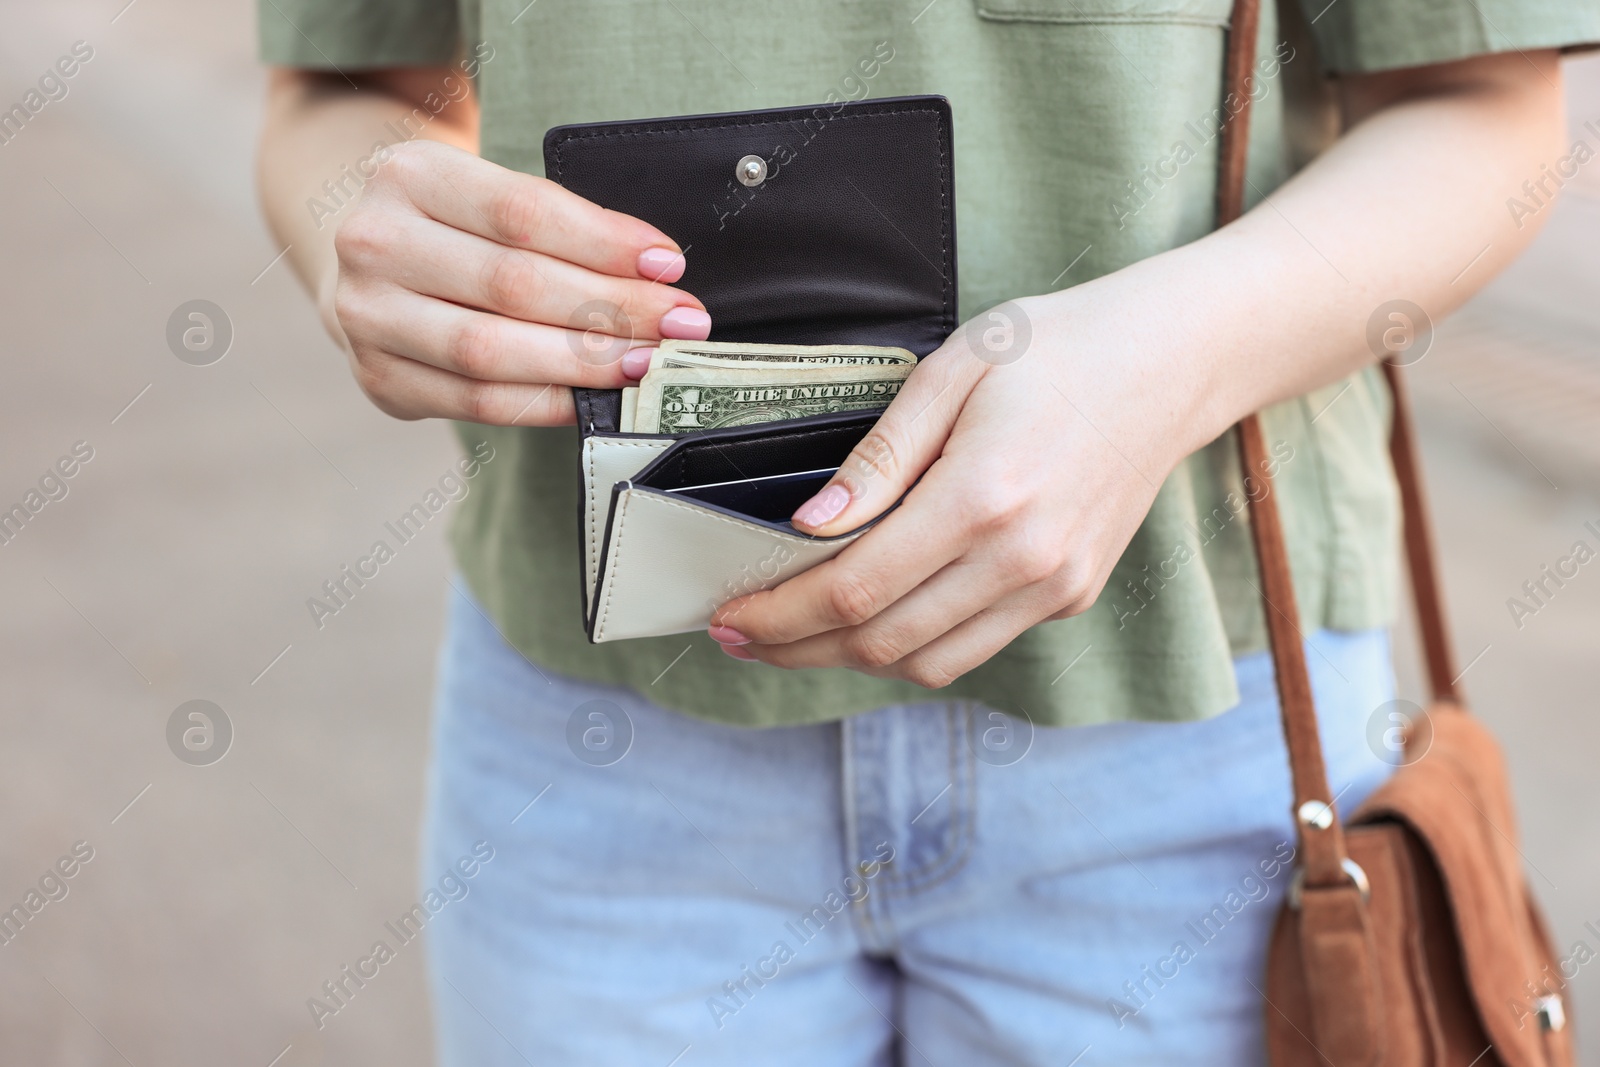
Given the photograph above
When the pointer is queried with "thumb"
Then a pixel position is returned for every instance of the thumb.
(904, 443)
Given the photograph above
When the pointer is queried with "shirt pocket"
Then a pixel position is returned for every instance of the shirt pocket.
(1089, 12)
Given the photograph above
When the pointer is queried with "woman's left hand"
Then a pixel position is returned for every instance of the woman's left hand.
(1035, 472)
(1038, 461)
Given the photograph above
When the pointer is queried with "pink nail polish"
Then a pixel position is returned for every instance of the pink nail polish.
(661, 265)
(686, 324)
(727, 635)
(824, 507)
(738, 653)
(636, 361)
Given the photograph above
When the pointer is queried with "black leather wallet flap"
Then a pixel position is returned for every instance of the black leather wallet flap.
(741, 453)
(849, 237)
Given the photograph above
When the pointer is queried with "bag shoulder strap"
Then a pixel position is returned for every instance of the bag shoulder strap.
(1427, 596)
(1320, 835)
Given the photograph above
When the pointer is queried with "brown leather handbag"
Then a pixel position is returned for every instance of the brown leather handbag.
(1409, 935)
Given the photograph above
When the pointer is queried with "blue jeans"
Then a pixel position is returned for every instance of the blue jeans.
(930, 883)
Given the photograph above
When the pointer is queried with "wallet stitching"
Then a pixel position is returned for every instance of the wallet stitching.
(944, 232)
(605, 612)
(732, 124)
(622, 516)
(591, 502)
(646, 130)
(593, 510)
(588, 492)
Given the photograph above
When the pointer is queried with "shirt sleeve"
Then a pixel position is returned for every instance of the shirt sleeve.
(1371, 35)
(358, 34)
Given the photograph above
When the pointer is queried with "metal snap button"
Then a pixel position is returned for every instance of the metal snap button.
(751, 171)
(1315, 814)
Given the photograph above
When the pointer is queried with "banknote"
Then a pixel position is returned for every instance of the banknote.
(685, 399)
(737, 353)
(757, 365)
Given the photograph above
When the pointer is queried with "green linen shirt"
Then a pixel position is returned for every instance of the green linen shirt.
(1084, 141)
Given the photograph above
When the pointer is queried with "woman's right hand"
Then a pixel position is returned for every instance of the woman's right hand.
(468, 291)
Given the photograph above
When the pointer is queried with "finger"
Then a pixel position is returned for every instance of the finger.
(962, 590)
(423, 256)
(511, 208)
(899, 448)
(407, 389)
(969, 645)
(914, 542)
(476, 344)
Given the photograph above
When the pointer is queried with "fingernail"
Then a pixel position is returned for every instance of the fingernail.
(738, 653)
(636, 361)
(727, 635)
(686, 324)
(661, 265)
(824, 507)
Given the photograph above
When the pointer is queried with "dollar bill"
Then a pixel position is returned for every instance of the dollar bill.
(686, 399)
(756, 362)
(737, 353)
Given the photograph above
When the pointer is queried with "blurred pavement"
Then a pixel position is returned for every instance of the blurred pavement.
(219, 498)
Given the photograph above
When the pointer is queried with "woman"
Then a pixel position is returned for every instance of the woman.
(1075, 847)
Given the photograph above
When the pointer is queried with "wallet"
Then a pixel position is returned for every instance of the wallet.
(832, 224)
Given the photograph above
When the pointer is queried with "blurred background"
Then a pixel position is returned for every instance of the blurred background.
(218, 498)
